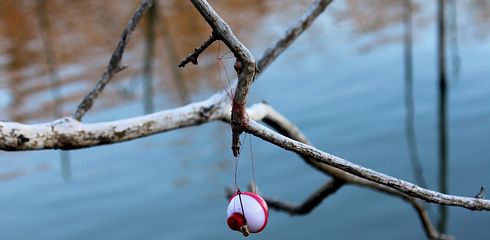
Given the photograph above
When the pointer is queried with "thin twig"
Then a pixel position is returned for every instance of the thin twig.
(308, 204)
(246, 73)
(194, 55)
(114, 63)
(247, 67)
(303, 23)
(430, 231)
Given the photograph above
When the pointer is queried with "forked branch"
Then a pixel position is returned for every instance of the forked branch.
(194, 55)
(246, 71)
(114, 65)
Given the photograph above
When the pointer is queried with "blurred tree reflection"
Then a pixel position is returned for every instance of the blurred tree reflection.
(84, 34)
(375, 18)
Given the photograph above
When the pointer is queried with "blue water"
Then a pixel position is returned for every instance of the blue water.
(171, 185)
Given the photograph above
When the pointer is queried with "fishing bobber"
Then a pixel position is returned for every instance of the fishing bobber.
(252, 218)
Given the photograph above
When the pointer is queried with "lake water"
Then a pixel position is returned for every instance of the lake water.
(342, 83)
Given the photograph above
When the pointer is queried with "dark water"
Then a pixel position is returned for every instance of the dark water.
(342, 83)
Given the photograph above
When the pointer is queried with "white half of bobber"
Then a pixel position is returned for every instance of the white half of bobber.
(255, 209)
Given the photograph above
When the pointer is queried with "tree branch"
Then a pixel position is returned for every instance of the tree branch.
(114, 63)
(424, 218)
(245, 65)
(245, 71)
(303, 23)
(408, 188)
(194, 55)
(288, 129)
(68, 133)
(21, 137)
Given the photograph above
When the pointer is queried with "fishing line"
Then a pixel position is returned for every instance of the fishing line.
(219, 62)
(254, 183)
(238, 192)
(255, 204)
(244, 229)
(237, 160)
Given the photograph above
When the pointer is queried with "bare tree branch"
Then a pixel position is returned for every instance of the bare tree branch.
(68, 133)
(114, 63)
(408, 188)
(194, 55)
(288, 129)
(303, 23)
(245, 71)
(245, 65)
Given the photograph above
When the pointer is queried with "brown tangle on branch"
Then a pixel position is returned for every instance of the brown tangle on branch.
(223, 31)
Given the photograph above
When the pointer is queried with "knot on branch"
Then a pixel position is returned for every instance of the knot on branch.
(21, 139)
(206, 112)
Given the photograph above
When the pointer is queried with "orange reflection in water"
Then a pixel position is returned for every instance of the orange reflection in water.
(84, 33)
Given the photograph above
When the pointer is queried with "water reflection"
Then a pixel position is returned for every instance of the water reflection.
(442, 110)
(409, 99)
(389, 14)
(479, 15)
(453, 40)
(54, 80)
(151, 16)
(172, 58)
(85, 33)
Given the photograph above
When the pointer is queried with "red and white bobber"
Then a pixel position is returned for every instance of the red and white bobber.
(254, 208)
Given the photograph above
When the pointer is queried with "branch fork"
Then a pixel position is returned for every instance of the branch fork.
(245, 67)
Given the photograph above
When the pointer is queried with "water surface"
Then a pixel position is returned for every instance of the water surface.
(342, 83)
